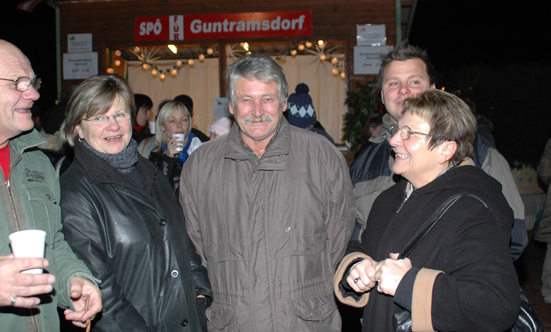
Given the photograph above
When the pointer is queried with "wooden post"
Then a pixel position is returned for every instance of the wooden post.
(222, 67)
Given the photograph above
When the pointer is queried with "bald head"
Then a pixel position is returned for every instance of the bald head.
(15, 105)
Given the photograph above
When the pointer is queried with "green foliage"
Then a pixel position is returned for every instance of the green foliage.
(362, 103)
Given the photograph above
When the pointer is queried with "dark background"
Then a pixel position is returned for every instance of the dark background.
(490, 52)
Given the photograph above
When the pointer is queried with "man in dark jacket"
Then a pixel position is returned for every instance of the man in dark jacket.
(269, 207)
(30, 200)
(404, 73)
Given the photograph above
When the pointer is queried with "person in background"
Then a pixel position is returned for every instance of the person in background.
(30, 200)
(140, 121)
(169, 153)
(543, 233)
(220, 127)
(405, 72)
(459, 276)
(371, 128)
(301, 113)
(121, 216)
(269, 208)
(186, 100)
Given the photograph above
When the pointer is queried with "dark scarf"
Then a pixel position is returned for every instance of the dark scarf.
(124, 161)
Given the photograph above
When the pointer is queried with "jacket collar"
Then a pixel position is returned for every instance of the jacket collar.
(26, 141)
(279, 145)
(387, 131)
(98, 170)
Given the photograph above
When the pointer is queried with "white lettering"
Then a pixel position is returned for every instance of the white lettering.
(217, 27)
(276, 23)
(149, 28)
(142, 28)
(196, 26)
(253, 26)
(207, 27)
(285, 24)
(158, 27)
(265, 25)
(240, 26)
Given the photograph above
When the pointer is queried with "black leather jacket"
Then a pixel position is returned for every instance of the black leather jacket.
(133, 238)
(171, 167)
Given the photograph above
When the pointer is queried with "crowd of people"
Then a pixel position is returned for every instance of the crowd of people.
(262, 227)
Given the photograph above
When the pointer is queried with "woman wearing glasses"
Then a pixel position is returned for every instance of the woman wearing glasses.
(120, 216)
(460, 276)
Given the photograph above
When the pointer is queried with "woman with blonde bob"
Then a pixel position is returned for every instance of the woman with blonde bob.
(123, 221)
(460, 276)
(170, 152)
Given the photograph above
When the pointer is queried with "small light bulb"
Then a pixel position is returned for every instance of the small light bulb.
(154, 72)
(118, 53)
(201, 57)
(110, 70)
(335, 71)
(162, 76)
(209, 51)
(173, 72)
(334, 61)
(190, 62)
(293, 52)
(136, 49)
(145, 66)
(301, 47)
(342, 75)
(323, 57)
(117, 62)
(308, 44)
(178, 63)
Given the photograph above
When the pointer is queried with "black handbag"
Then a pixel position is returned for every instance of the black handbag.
(527, 320)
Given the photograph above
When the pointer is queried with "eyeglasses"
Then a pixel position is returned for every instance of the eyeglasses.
(406, 132)
(23, 83)
(102, 119)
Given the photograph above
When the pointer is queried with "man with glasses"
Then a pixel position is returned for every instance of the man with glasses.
(404, 73)
(30, 200)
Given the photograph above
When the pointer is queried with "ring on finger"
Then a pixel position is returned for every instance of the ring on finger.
(13, 298)
(172, 144)
(356, 280)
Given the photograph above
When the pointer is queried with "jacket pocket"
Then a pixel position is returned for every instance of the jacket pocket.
(219, 315)
(220, 252)
(314, 309)
(43, 206)
(295, 244)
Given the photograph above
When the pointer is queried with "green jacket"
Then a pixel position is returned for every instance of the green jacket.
(34, 204)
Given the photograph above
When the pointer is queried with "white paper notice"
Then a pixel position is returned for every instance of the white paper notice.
(367, 59)
(79, 66)
(79, 42)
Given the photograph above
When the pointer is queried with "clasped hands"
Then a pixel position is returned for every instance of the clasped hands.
(386, 274)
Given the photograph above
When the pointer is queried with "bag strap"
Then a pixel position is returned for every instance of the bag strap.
(145, 144)
(431, 222)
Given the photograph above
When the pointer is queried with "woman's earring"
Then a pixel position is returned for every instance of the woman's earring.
(81, 140)
(163, 130)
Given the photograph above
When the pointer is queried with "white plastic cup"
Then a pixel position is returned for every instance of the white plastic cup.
(28, 243)
(152, 127)
(180, 138)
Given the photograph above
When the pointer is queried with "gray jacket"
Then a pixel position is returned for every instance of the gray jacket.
(270, 233)
(544, 172)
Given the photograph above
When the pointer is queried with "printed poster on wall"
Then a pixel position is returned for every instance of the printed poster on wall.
(79, 66)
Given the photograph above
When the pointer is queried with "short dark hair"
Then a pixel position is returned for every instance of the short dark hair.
(402, 52)
(142, 101)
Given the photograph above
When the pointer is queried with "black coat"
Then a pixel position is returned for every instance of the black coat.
(133, 238)
(478, 290)
(171, 168)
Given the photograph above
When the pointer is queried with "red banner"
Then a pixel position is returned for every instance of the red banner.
(215, 26)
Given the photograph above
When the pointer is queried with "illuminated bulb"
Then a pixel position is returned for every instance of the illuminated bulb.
(334, 61)
(136, 49)
(335, 71)
(246, 46)
(173, 72)
(323, 57)
(342, 75)
(173, 48)
(110, 70)
(209, 51)
(308, 44)
(443, 88)
(248, 53)
(145, 66)
(301, 47)
(201, 57)
(117, 63)
(190, 62)
(154, 72)
(321, 43)
(162, 76)
(293, 52)
(178, 63)
(118, 53)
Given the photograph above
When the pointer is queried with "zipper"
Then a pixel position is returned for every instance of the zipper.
(12, 203)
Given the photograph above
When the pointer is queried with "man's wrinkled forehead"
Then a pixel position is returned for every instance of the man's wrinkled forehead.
(12, 60)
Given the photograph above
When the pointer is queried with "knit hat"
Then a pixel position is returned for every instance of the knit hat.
(221, 126)
(301, 112)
